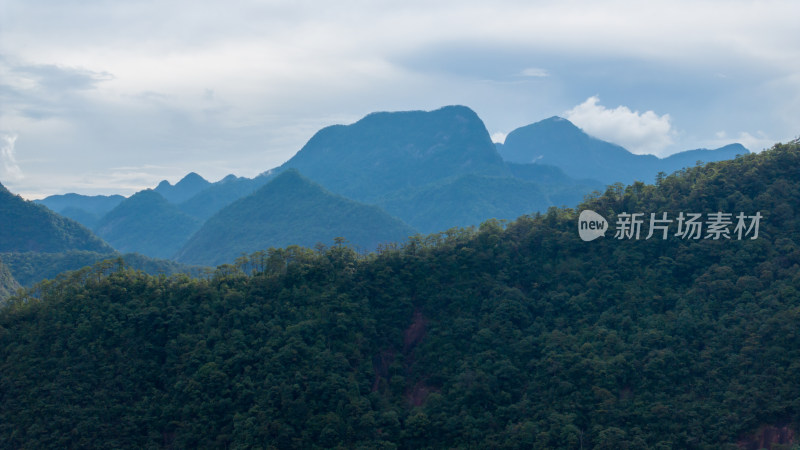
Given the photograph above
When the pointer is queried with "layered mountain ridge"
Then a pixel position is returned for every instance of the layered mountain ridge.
(557, 141)
(509, 336)
(290, 210)
(430, 170)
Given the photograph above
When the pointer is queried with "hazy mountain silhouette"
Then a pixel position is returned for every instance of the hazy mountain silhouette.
(466, 200)
(556, 141)
(288, 210)
(431, 169)
(221, 194)
(147, 223)
(84, 209)
(689, 158)
(189, 186)
(389, 151)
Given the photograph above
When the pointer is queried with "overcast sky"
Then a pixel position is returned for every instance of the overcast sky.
(101, 97)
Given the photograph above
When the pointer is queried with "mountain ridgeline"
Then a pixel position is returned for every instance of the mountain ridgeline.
(28, 227)
(84, 209)
(507, 336)
(290, 210)
(189, 186)
(430, 170)
(389, 152)
(556, 141)
(37, 244)
(147, 223)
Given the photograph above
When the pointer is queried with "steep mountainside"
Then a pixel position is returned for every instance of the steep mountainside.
(510, 337)
(146, 223)
(556, 141)
(26, 226)
(385, 152)
(8, 285)
(289, 210)
(466, 200)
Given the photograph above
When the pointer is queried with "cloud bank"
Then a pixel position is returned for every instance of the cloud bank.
(641, 133)
(239, 87)
(8, 162)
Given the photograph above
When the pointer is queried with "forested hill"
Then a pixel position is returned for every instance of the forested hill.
(147, 223)
(289, 209)
(510, 336)
(28, 227)
(389, 152)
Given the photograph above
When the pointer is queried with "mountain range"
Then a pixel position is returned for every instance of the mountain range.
(37, 243)
(289, 210)
(510, 335)
(557, 141)
(429, 170)
(147, 223)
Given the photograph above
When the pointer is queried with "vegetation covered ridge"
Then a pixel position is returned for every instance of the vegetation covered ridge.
(511, 335)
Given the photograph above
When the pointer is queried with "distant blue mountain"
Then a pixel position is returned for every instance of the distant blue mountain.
(432, 169)
(189, 186)
(218, 195)
(289, 210)
(558, 142)
(389, 151)
(147, 223)
(466, 200)
(689, 158)
(84, 209)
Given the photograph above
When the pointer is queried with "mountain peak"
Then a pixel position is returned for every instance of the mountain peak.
(388, 151)
(163, 185)
(186, 188)
(557, 141)
(192, 178)
(147, 195)
(146, 223)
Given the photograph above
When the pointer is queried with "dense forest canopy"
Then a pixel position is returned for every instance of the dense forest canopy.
(511, 335)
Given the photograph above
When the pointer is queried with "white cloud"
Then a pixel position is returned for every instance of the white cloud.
(753, 142)
(499, 137)
(535, 72)
(641, 133)
(9, 169)
(113, 83)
